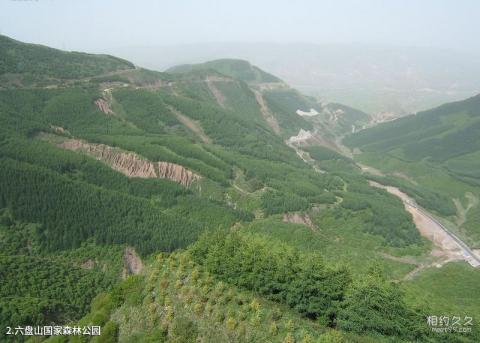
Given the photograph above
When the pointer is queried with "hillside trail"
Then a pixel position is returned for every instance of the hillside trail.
(293, 141)
(219, 97)
(472, 201)
(419, 266)
(267, 114)
(192, 126)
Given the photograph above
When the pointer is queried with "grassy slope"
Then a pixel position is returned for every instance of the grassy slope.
(435, 287)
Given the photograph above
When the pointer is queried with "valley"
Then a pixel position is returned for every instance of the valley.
(449, 245)
(214, 202)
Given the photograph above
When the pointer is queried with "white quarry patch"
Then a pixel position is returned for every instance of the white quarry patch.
(302, 136)
(310, 113)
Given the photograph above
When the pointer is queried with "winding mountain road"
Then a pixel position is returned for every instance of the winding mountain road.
(444, 239)
(470, 256)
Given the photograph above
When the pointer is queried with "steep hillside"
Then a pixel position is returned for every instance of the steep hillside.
(285, 109)
(439, 134)
(102, 173)
(27, 64)
(438, 149)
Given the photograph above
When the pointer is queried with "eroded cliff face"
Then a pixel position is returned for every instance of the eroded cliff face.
(103, 106)
(298, 219)
(132, 262)
(130, 164)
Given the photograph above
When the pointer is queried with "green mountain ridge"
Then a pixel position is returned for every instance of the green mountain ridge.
(22, 63)
(237, 69)
(261, 245)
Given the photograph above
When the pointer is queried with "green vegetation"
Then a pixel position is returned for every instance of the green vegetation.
(434, 286)
(38, 195)
(237, 69)
(321, 153)
(145, 110)
(426, 198)
(39, 287)
(36, 63)
(431, 156)
(179, 301)
(440, 134)
(284, 103)
(340, 239)
(275, 202)
(275, 271)
(252, 275)
(39, 290)
(374, 305)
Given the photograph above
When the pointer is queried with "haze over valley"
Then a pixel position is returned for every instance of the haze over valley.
(385, 81)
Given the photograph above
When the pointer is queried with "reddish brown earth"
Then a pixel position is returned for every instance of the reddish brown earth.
(131, 164)
(103, 106)
(299, 219)
(133, 263)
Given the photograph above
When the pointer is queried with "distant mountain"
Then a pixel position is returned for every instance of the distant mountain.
(286, 110)
(238, 69)
(380, 80)
(445, 133)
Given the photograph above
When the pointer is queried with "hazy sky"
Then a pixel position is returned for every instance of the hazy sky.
(97, 25)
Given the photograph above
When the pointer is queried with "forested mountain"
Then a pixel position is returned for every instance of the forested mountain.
(27, 64)
(438, 148)
(238, 69)
(440, 134)
(290, 110)
(198, 182)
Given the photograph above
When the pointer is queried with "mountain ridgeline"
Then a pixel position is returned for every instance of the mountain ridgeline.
(199, 182)
(22, 63)
(238, 69)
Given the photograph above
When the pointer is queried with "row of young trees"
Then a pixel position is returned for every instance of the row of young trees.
(18, 57)
(275, 271)
(40, 290)
(367, 305)
(71, 211)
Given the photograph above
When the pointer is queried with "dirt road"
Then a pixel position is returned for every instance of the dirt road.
(448, 244)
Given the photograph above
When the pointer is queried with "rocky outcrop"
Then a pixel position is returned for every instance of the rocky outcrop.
(88, 264)
(303, 136)
(103, 106)
(172, 171)
(60, 130)
(310, 113)
(132, 262)
(131, 164)
(298, 219)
